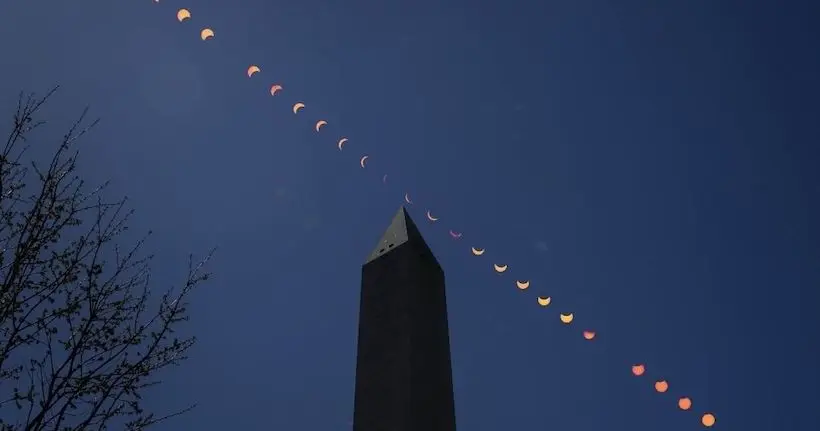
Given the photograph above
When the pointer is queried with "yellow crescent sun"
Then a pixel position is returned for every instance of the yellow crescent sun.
(523, 285)
(206, 34)
(341, 143)
(363, 160)
(544, 300)
(297, 107)
(253, 69)
(499, 268)
(477, 251)
(319, 124)
(407, 198)
(274, 88)
(430, 216)
(183, 14)
(567, 318)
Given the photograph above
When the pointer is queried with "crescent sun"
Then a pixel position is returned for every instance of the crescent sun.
(499, 268)
(274, 88)
(341, 143)
(183, 14)
(206, 34)
(363, 160)
(319, 124)
(253, 69)
(297, 107)
(523, 285)
(407, 198)
(544, 301)
(477, 251)
(430, 216)
(567, 318)
(454, 234)
(384, 179)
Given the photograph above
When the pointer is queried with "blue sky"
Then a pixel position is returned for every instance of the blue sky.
(651, 167)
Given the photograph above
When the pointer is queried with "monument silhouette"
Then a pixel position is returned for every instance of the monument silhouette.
(404, 377)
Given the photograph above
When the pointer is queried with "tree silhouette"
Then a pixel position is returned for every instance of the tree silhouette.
(81, 335)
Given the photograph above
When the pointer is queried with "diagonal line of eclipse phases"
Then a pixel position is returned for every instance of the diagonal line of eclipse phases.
(661, 386)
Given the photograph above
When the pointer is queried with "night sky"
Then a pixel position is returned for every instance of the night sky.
(652, 168)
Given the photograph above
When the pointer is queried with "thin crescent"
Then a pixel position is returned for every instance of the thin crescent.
(297, 106)
(477, 251)
(499, 268)
(407, 198)
(523, 285)
(430, 216)
(544, 300)
(274, 88)
(341, 143)
(455, 235)
(253, 69)
(363, 160)
(319, 124)
(384, 179)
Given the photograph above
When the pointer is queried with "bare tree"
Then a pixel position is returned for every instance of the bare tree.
(81, 335)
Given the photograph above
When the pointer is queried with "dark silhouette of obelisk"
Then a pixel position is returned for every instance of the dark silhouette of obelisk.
(404, 378)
